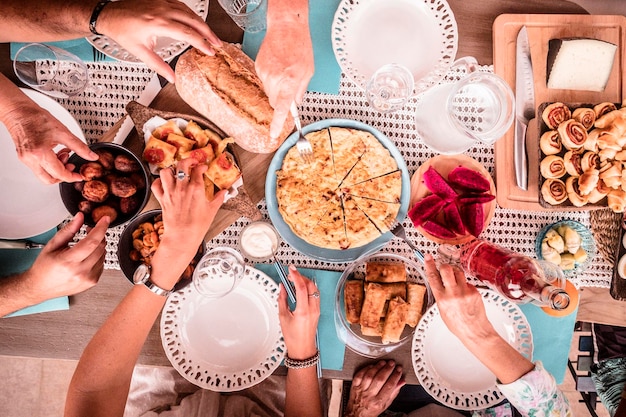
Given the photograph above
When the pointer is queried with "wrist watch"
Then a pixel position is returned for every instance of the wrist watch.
(142, 276)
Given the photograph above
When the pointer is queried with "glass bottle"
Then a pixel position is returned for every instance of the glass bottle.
(519, 278)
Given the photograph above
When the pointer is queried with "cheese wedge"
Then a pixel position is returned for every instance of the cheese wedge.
(580, 64)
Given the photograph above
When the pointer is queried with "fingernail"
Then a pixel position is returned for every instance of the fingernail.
(399, 369)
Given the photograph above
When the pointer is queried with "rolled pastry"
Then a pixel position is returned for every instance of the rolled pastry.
(395, 320)
(585, 116)
(611, 174)
(602, 109)
(555, 240)
(415, 298)
(550, 143)
(573, 134)
(590, 160)
(552, 166)
(607, 154)
(588, 181)
(554, 191)
(573, 163)
(591, 144)
(617, 200)
(572, 240)
(620, 156)
(608, 140)
(599, 192)
(353, 300)
(548, 253)
(573, 192)
(555, 114)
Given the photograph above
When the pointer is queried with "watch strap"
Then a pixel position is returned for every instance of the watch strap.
(155, 288)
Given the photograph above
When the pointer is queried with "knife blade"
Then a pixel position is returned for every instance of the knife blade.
(524, 105)
(19, 244)
(149, 93)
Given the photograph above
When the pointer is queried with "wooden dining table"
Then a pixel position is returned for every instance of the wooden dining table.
(64, 334)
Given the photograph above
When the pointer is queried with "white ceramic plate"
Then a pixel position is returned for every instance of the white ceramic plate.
(166, 48)
(419, 34)
(449, 372)
(29, 207)
(225, 344)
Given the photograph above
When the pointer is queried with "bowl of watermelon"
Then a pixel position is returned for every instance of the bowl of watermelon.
(452, 199)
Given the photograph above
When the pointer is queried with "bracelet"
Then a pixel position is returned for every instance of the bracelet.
(305, 363)
(95, 14)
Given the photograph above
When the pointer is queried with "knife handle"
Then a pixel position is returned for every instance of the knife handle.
(520, 156)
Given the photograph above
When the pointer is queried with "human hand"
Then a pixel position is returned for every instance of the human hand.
(460, 304)
(62, 270)
(374, 389)
(285, 66)
(187, 214)
(36, 133)
(135, 25)
(299, 326)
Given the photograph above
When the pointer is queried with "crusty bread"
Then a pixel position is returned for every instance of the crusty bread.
(225, 89)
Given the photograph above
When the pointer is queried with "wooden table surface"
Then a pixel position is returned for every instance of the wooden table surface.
(64, 334)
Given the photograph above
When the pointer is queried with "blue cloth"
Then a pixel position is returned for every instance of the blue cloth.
(332, 349)
(327, 71)
(552, 339)
(79, 47)
(14, 261)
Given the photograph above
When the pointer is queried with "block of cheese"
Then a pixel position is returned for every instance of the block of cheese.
(580, 64)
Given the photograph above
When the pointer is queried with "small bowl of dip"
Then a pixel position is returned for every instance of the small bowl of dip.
(259, 241)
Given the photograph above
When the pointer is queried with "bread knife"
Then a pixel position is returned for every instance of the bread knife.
(524, 106)
(149, 93)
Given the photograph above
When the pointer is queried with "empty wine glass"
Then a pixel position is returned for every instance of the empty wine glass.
(390, 88)
(52, 71)
(219, 272)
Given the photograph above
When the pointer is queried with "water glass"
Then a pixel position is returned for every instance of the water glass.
(50, 70)
(219, 272)
(250, 15)
(389, 88)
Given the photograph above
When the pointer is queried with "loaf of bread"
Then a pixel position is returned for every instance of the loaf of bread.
(225, 89)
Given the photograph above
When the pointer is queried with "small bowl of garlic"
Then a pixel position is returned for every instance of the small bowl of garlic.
(568, 244)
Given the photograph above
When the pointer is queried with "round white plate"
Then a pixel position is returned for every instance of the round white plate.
(166, 48)
(225, 344)
(419, 34)
(453, 375)
(29, 207)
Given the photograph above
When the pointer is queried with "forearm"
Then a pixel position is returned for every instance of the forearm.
(498, 356)
(302, 397)
(296, 11)
(44, 20)
(15, 294)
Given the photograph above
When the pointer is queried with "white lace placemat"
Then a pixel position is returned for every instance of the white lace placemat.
(512, 229)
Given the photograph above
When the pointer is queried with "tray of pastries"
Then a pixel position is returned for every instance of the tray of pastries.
(582, 155)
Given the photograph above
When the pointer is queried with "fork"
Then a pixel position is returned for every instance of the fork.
(98, 55)
(303, 145)
(398, 230)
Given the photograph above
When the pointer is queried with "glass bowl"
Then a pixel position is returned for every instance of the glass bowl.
(350, 334)
(259, 241)
(587, 243)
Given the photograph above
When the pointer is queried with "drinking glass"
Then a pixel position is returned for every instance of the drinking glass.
(250, 15)
(50, 70)
(390, 88)
(219, 272)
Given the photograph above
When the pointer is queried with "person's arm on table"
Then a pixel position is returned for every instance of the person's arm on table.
(135, 25)
(302, 396)
(285, 60)
(373, 389)
(462, 310)
(59, 269)
(35, 133)
(102, 378)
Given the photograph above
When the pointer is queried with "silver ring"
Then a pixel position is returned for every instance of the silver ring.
(316, 294)
(181, 175)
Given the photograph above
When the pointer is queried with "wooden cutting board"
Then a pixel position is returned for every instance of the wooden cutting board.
(253, 166)
(541, 28)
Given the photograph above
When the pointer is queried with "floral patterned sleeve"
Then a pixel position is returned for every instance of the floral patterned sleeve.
(537, 395)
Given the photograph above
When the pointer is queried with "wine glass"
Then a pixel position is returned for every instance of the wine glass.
(219, 272)
(390, 88)
(51, 70)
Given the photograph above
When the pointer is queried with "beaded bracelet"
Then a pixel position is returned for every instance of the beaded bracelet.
(305, 363)
(95, 14)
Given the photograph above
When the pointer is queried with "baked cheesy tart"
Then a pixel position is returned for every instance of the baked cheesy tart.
(346, 196)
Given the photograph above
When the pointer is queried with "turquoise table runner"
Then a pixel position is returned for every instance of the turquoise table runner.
(327, 71)
(13, 261)
(332, 349)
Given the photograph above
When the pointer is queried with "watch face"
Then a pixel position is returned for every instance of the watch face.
(141, 274)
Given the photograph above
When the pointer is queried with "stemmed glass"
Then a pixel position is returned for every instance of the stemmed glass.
(390, 87)
(219, 272)
(52, 71)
